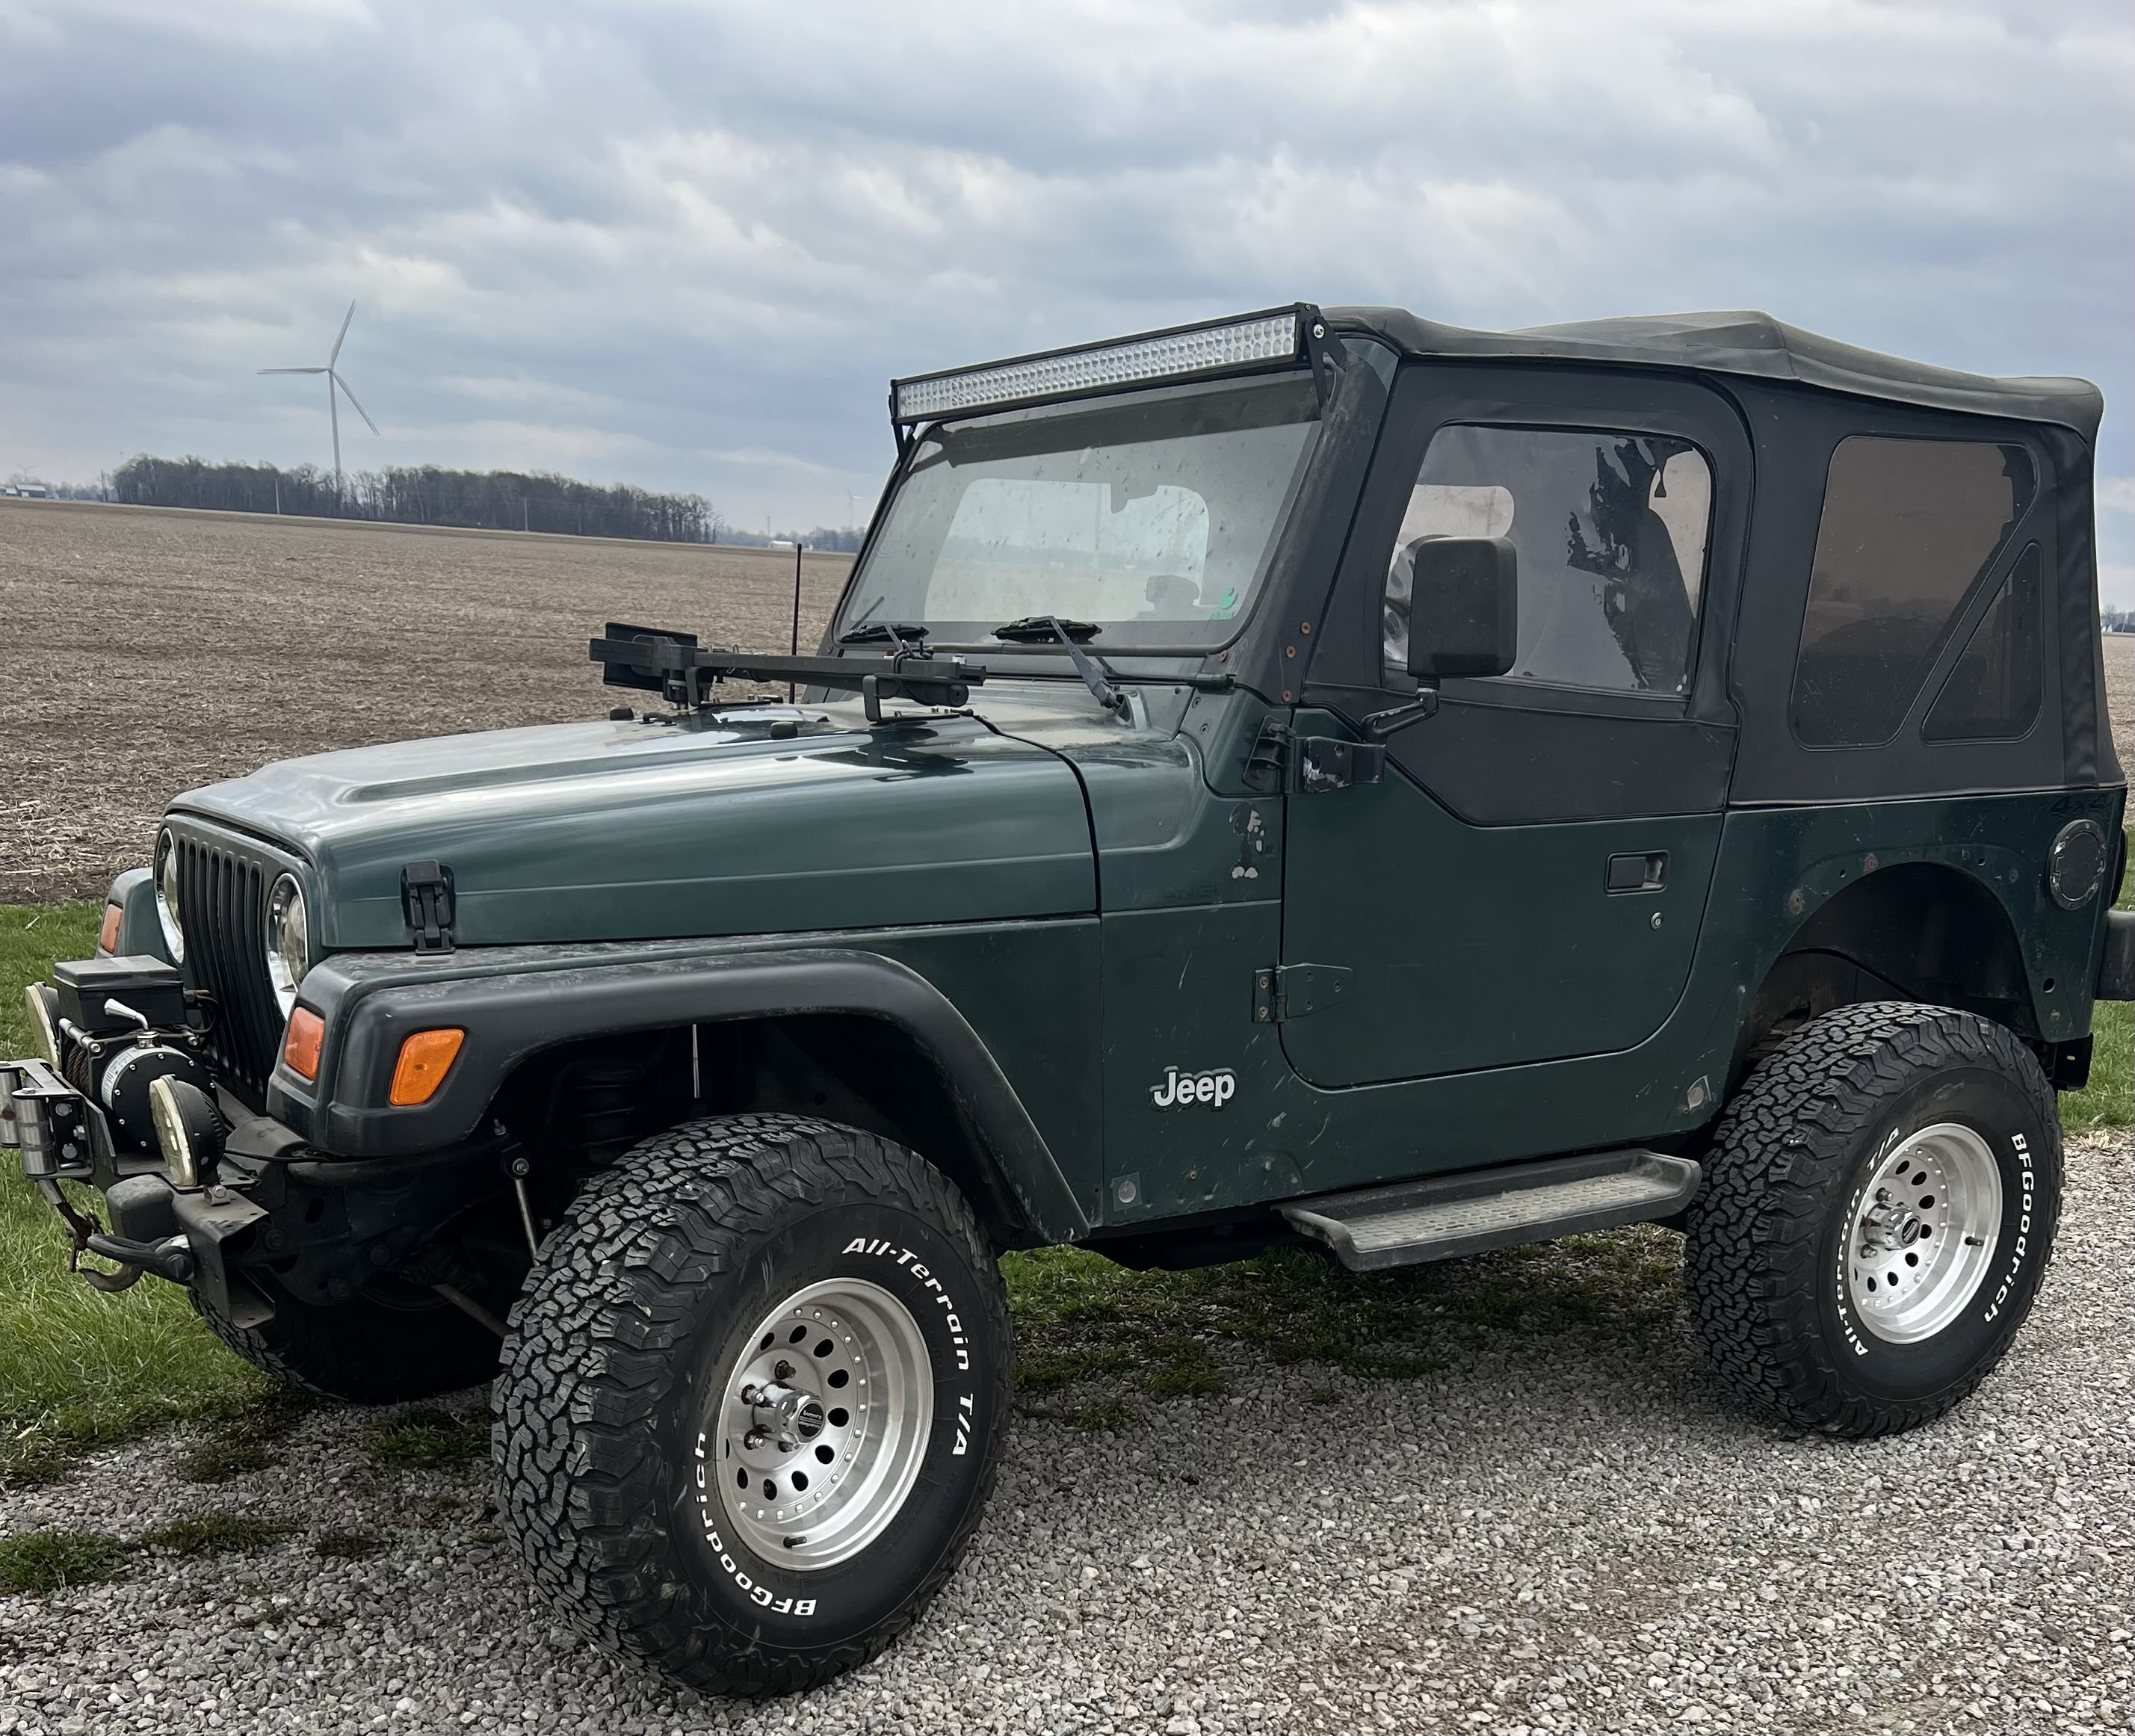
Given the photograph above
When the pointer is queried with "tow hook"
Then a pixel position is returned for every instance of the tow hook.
(171, 1258)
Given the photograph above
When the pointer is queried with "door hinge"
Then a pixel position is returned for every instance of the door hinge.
(1326, 763)
(426, 899)
(1307, 765)
(1285, 992)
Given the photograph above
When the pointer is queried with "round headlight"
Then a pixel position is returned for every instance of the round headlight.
(288, 942)
(166, 896)
(40, 999)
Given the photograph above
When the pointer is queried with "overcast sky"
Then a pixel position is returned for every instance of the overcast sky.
(685, 244)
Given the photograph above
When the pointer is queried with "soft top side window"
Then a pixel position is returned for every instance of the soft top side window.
(1994, 692)
(1610, 527)
(1908, 528)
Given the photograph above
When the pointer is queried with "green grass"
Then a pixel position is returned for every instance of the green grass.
(79, 1369)
(238, 1444)
(426, 1439)
(214, 1533)
(348, 1545)
(2109, 1100)
(38, 1562)
(32, 937)
(1079, 1317)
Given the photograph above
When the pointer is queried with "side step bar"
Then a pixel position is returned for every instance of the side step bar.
(1442, 1217)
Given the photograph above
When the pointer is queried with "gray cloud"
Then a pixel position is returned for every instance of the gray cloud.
(686, 243)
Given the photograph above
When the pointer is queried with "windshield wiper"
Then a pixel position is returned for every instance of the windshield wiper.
(884, 632)
(1037, 629)
(1045, 629)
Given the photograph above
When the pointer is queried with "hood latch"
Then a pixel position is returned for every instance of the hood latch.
(426, 897)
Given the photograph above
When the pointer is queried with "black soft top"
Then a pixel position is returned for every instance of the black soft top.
(1745, 343)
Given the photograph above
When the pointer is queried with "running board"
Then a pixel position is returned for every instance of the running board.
(1443, 1217)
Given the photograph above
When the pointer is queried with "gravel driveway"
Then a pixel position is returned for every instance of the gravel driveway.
(1558, 1532)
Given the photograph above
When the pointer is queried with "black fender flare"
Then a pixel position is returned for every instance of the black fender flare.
(2116, 960)
(510, 1015)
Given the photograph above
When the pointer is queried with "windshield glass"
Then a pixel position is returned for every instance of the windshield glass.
(1152, 520)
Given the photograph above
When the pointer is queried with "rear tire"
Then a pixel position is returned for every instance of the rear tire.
(363, 1351)
(1877, 1212)
(753, 1400)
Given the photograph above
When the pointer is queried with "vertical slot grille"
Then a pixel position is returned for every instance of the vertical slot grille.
(222, 895)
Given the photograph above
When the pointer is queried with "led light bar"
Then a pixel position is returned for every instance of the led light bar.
(1257, 340)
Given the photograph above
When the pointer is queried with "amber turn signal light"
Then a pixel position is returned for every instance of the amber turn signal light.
(425, 1058)
(107, 934)
(300, 1048)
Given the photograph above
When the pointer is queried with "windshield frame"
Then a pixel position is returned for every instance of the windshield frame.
(1310, 456)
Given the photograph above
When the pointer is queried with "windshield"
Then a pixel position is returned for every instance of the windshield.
(1151, 520)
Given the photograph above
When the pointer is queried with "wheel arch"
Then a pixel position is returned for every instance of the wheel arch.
(859, 1069)
(1914, 931)
(844, 1033)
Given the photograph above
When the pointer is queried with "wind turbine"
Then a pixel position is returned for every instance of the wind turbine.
(335, 381)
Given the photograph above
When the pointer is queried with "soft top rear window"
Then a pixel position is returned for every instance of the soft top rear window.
(1908, 528)
(1150, 519)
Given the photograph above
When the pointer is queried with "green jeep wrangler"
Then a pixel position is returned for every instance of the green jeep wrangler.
(1316, 777)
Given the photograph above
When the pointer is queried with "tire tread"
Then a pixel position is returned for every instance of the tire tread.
(590, 1362)
(1750, 1264)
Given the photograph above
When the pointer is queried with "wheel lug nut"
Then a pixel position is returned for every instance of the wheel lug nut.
(784, 1371)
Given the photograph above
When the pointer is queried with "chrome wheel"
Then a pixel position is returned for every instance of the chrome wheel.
(821, 1424)
(1920, 1234)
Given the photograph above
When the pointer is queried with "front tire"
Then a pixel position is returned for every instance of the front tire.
(1877, 1212)
(753, 1400)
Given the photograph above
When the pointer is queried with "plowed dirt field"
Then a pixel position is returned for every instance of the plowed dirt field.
(143, 652)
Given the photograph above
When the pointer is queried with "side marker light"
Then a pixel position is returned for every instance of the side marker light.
(300, 1048)
(425, 1058)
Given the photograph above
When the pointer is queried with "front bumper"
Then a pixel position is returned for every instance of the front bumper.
(183, 1235)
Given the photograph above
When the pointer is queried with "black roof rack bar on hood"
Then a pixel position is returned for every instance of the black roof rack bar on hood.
(1249, 343)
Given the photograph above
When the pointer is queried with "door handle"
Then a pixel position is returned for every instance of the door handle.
(1646, 872)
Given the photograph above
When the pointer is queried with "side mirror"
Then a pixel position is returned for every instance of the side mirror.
(1464, 608)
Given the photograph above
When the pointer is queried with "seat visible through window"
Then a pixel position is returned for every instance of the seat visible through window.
(1611, 528)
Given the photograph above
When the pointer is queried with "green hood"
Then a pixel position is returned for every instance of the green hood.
(631, 830)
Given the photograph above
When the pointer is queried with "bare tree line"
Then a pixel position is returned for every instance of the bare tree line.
(494, 500)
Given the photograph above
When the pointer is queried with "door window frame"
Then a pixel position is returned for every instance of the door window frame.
(1347, 672)
(1476, 688)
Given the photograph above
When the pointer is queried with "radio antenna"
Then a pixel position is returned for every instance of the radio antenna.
(798, 545)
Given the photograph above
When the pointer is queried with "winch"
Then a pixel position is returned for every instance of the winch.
(124, 1020)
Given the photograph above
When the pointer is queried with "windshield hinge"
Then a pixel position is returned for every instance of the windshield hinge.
(1268, 762)
(1285, 992)
(426, 898)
